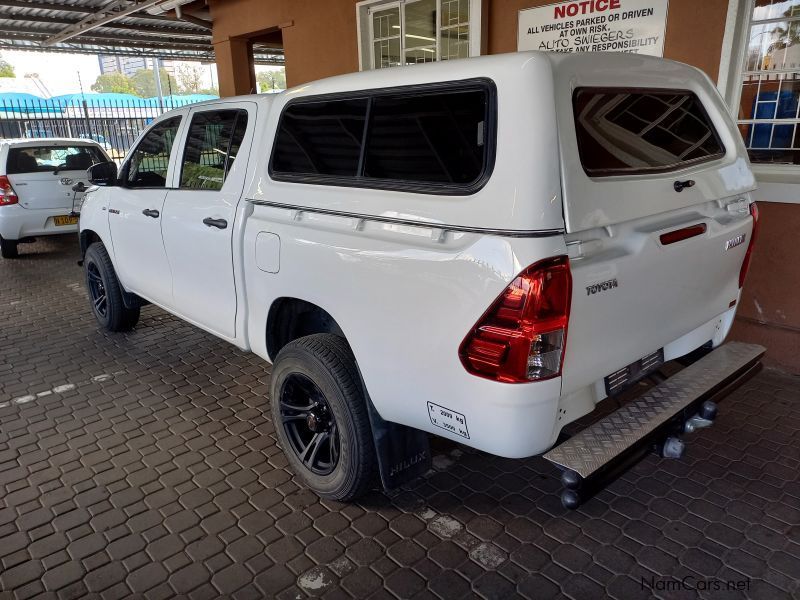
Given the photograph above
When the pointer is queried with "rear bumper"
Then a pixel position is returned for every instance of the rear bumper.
(603, 450)
(17, 222)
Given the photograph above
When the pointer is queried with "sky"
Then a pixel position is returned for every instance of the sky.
(65, 73)
(59, 72)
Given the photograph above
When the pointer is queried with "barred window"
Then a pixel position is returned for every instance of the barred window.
(408, 32)
(769, 111)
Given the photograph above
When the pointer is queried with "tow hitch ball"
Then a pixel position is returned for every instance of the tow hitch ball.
(673, 446)
(704, 418)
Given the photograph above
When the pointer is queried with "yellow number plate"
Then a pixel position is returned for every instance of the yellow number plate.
(65, 220)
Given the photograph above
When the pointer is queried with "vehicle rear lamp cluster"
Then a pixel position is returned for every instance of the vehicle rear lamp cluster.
(7, 193)
(748, 255)
(522, 337)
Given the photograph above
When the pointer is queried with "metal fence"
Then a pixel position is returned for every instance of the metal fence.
(114, 123)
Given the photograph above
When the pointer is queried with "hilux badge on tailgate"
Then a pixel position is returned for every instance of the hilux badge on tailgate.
(601, 287)
(737, 241)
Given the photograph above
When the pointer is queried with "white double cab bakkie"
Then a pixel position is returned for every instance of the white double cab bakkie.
(481, 249)
(37, 177)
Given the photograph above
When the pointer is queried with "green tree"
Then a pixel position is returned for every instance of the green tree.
(271, 80)
(190, 78)
(144, 83)
(6, 70)
(115, 83)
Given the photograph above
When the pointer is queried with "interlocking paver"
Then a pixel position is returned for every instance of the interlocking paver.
(145, 463)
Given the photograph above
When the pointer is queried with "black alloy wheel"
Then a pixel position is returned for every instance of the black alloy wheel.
(105, 292)
(319, 411)
(309, 424)
(97, 290)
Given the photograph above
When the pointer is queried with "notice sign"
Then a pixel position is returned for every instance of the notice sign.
(636, 26)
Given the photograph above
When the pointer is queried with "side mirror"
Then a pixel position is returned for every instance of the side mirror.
(104, 173)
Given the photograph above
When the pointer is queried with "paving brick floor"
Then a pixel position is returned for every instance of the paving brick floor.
(146, 464)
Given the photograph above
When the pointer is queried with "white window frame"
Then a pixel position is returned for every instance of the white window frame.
(362, 9)
(777, 183)
(400, 19)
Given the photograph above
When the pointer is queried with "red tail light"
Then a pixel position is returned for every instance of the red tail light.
(749, 253)
(523, 335)
(7, 193)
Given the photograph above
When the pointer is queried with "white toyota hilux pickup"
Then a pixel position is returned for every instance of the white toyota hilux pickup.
(481, 249)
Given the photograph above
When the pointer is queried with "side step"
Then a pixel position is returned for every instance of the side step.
(601, 452)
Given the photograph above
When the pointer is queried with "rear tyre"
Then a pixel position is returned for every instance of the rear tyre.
(8, 248)
(319, 411)
(105, 291)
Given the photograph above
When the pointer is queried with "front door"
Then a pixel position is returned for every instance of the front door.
(198, 218)
(135, 215)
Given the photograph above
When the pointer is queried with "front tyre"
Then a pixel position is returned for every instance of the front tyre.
(105, 291)
(319, 411)
(8, 248)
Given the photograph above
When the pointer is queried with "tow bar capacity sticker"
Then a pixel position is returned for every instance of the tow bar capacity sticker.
(448, 419)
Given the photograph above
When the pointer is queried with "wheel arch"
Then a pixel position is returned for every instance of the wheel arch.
(87, 238)
(291, 318)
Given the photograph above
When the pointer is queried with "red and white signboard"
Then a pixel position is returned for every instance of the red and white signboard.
(595, 26)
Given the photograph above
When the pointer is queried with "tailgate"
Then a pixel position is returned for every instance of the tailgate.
(47, 190)
(656, 184)
(43, 172)
(634, 293)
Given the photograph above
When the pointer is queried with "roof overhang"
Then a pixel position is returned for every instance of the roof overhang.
(169, 29)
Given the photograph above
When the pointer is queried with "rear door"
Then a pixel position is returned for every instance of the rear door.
(655, 180)
(43, 175)
(199, 212)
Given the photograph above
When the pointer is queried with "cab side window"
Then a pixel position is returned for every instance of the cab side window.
(147, 167)
(211, 147)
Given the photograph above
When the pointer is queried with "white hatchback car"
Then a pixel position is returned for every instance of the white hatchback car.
(36, 187)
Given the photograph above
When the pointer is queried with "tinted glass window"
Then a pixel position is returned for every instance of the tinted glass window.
(149, 162)
(50, 158)
(320, 138)
(430, 138)
(207, 157)
(642, 131)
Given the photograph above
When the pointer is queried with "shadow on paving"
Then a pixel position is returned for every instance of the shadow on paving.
(146, 463)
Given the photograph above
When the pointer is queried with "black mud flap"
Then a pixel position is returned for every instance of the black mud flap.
(404, 453)
(132, 301)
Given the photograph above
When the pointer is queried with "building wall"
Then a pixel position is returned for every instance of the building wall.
(769, 311)
(320, 40)
(319, 37)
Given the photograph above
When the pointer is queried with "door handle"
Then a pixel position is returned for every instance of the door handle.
(148, 212)
(218, 223)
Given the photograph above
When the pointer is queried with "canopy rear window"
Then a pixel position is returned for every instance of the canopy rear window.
(637, 131)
